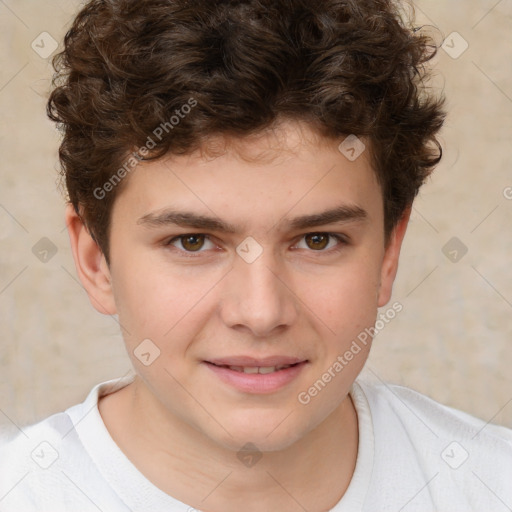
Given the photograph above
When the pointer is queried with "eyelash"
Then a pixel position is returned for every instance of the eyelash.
(341, 239)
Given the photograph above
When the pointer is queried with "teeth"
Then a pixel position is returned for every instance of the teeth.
(258, 369)
(250, 369)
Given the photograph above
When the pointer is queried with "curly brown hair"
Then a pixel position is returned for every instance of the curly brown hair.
(129, 68)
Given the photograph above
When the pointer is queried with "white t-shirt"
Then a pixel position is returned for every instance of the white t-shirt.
(414, 455)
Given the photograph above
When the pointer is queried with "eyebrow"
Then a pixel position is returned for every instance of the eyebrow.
(344, 213)
(167, 217)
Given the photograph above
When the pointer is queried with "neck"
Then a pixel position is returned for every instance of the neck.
(311, 474)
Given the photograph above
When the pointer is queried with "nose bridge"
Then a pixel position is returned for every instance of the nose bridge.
(258, 299)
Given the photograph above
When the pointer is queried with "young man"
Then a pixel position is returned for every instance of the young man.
(240, 178)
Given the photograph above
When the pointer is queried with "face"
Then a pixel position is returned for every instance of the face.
(250, 273)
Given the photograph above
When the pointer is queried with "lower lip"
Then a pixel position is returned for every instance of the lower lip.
(257, 382)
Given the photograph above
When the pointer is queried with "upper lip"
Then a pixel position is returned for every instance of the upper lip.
(264, 362)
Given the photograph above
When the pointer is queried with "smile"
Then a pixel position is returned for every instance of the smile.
(256, 379)
(257, 369)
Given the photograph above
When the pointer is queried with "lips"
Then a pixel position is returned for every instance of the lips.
(259, 362)
(247, 364)
(257, 375)
(257, 369)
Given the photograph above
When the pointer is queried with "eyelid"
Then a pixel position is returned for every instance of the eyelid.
(342, 240)
(169, 242)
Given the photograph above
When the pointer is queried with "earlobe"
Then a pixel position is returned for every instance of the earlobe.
(390, 262)
(90, 264)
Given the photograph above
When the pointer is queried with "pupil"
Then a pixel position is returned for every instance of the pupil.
(193, 242)
(317, 241)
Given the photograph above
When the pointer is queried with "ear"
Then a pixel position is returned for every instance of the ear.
(90, 263)
(390, 261)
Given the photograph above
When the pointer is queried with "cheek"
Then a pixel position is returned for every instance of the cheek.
(346, 299)
(154, 303)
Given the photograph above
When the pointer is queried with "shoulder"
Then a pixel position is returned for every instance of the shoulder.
(45, 467)
(34, 460)
(34, 442)
(460, 460)
(391, 402)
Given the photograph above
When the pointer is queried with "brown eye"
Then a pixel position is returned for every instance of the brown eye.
(317, 241)
(192, 243)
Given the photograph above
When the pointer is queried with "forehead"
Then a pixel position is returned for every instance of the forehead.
(265, 175)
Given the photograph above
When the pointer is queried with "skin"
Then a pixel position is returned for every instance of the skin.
(178, 422)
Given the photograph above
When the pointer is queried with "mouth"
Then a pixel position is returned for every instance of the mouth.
(257, 376)
(263, 370)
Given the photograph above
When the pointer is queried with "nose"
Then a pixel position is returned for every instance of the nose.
(257, 298)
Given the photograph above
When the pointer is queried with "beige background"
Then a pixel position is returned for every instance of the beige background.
(452, 341)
